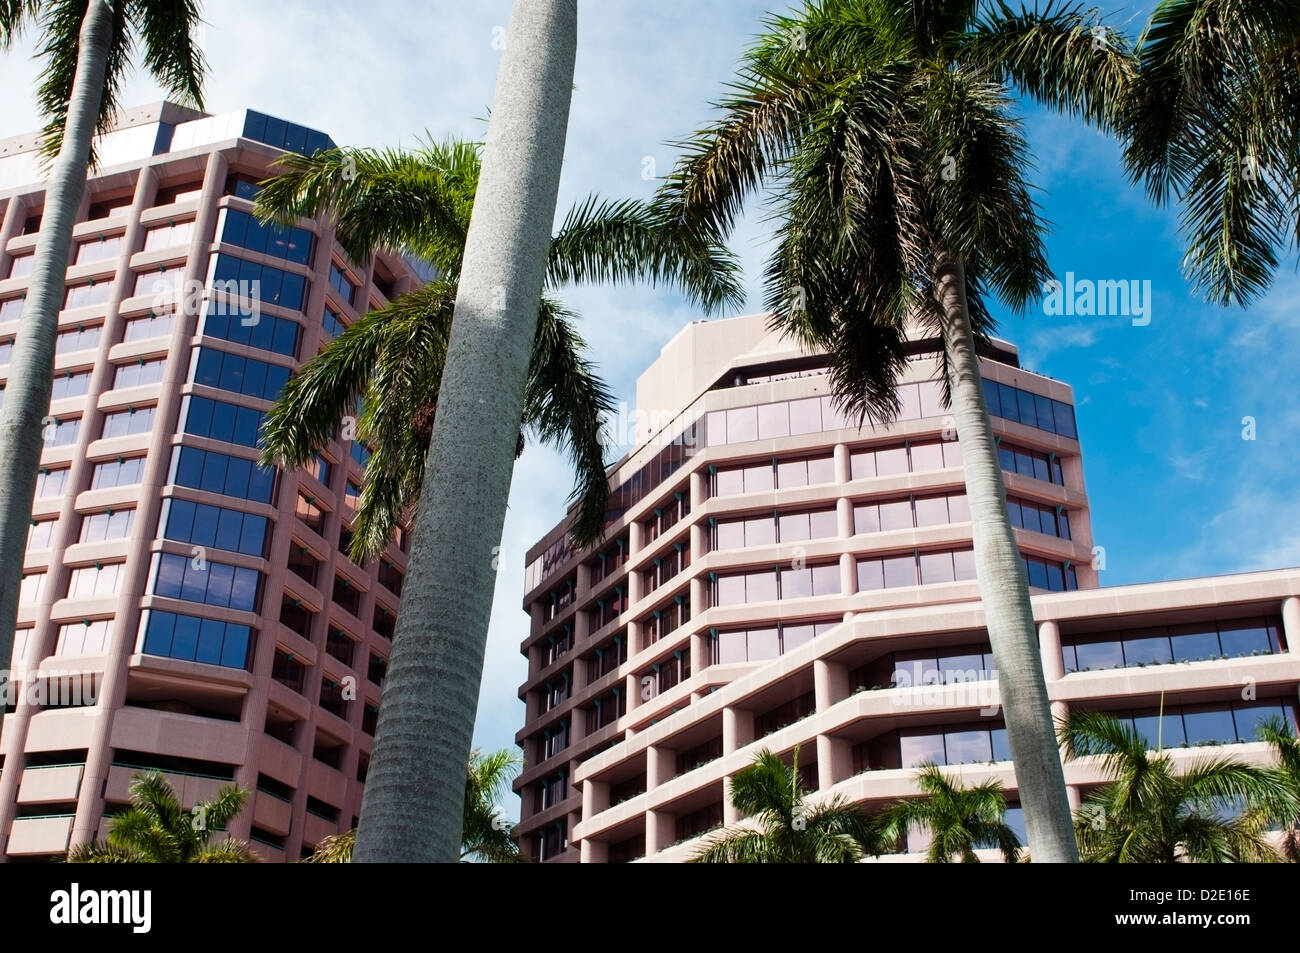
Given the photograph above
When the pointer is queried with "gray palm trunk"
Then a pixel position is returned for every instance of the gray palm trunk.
(415, 788)
(1004, 590)
(27, 395)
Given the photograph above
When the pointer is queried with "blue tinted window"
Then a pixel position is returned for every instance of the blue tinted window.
(241, 375)
(221, 473)
(1010, 405)
(291, 244)
(207, 581)
(991, 398)
(215, 526)
(221, 421)
(277, 335)
(191, 638)
(274, 285)
(1064, 417)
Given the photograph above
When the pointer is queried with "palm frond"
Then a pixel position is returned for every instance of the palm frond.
(173, 59)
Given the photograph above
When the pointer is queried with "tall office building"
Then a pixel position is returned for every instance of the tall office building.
(183, 609)
(774, 576)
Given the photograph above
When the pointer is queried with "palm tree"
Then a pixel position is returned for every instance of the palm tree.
(87, 50)
(155, 829)
(392, 359)
(883, 132)
(1286, 746)
(411, 806)
(1214, 122)
(959, 819)
(788, 831)
(1149, 813)
(486, 837)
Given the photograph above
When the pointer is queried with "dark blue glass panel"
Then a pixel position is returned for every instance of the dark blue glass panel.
(205, 525)
(185, 638)
(252, 539)
(158, 634)
(180, 520)
(991, 398)
(1063, 415)
(1043, 405)
(214, 472)
(237, 477)
(230, 524)
(1007, 398)
(247, 424)
(211, 635)
(1025, 401)
(234, 651)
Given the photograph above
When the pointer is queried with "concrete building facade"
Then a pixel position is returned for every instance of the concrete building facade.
(183, 609)
(775, 576)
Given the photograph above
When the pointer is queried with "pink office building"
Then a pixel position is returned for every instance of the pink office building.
(183, 609)
(775, 576)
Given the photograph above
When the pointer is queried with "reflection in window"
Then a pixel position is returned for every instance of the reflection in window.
(195, 639)
(207, 581)
(1160, 645)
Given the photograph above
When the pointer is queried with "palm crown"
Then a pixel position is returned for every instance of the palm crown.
(889, 133)
(788, 830)
(391, 360)
(157, 830)
(162, 28)
(958, 819)
(1214, 121)
(1214, 810)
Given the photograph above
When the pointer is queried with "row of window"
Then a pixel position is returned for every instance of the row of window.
(193, 639)
(240, 375)
(273, 285)
(773, 475)
(1033, 410)
(221, 473)
(277, 335)
(215, 526)
(768, 585)
(775, 528)
(219, 420)
(1193, 642)
(290, 243)
(767, 642)
(195, 579)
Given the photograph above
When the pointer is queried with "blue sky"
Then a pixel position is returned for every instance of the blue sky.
(1175, 490)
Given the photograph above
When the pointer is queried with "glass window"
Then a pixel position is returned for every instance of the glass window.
(121, 472)
(729, 482)
(1037, 573)
(1153, 650)
(896, 515)
(866, 518)
(870, 575)
(132, 421)
(791, 473)
(823, 524)
(1238, 640)
(1094, 656)
(1149, 727)
(760, 531)
(773, 421)
(826, 580)
(1063, 415)
(927, 456)
(1194, 643)
(968, 747)
(742, 424)
(805, 416)
(796, 583)
(760, 586)
(909, 399)
(758, 478)
(963, 564)
(1206, 725)
(98, 527)
(932, 511)
(936, 567)
(151, 326)
(140, 373)
(821, 470)
(793, 636)
(917, 748)
(70, 384)
(899, 571)
(794, 527)
(169, 235)
(731, 647)
(1249, 718)
(730, 534)
(77, 339)
(731, 590)
(51, 482)
(862, 464)
(763, 644)
(891, 461)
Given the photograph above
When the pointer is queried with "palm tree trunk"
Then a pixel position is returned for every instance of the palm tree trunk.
(1004, 589)
(415, 790)
(31, 372)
